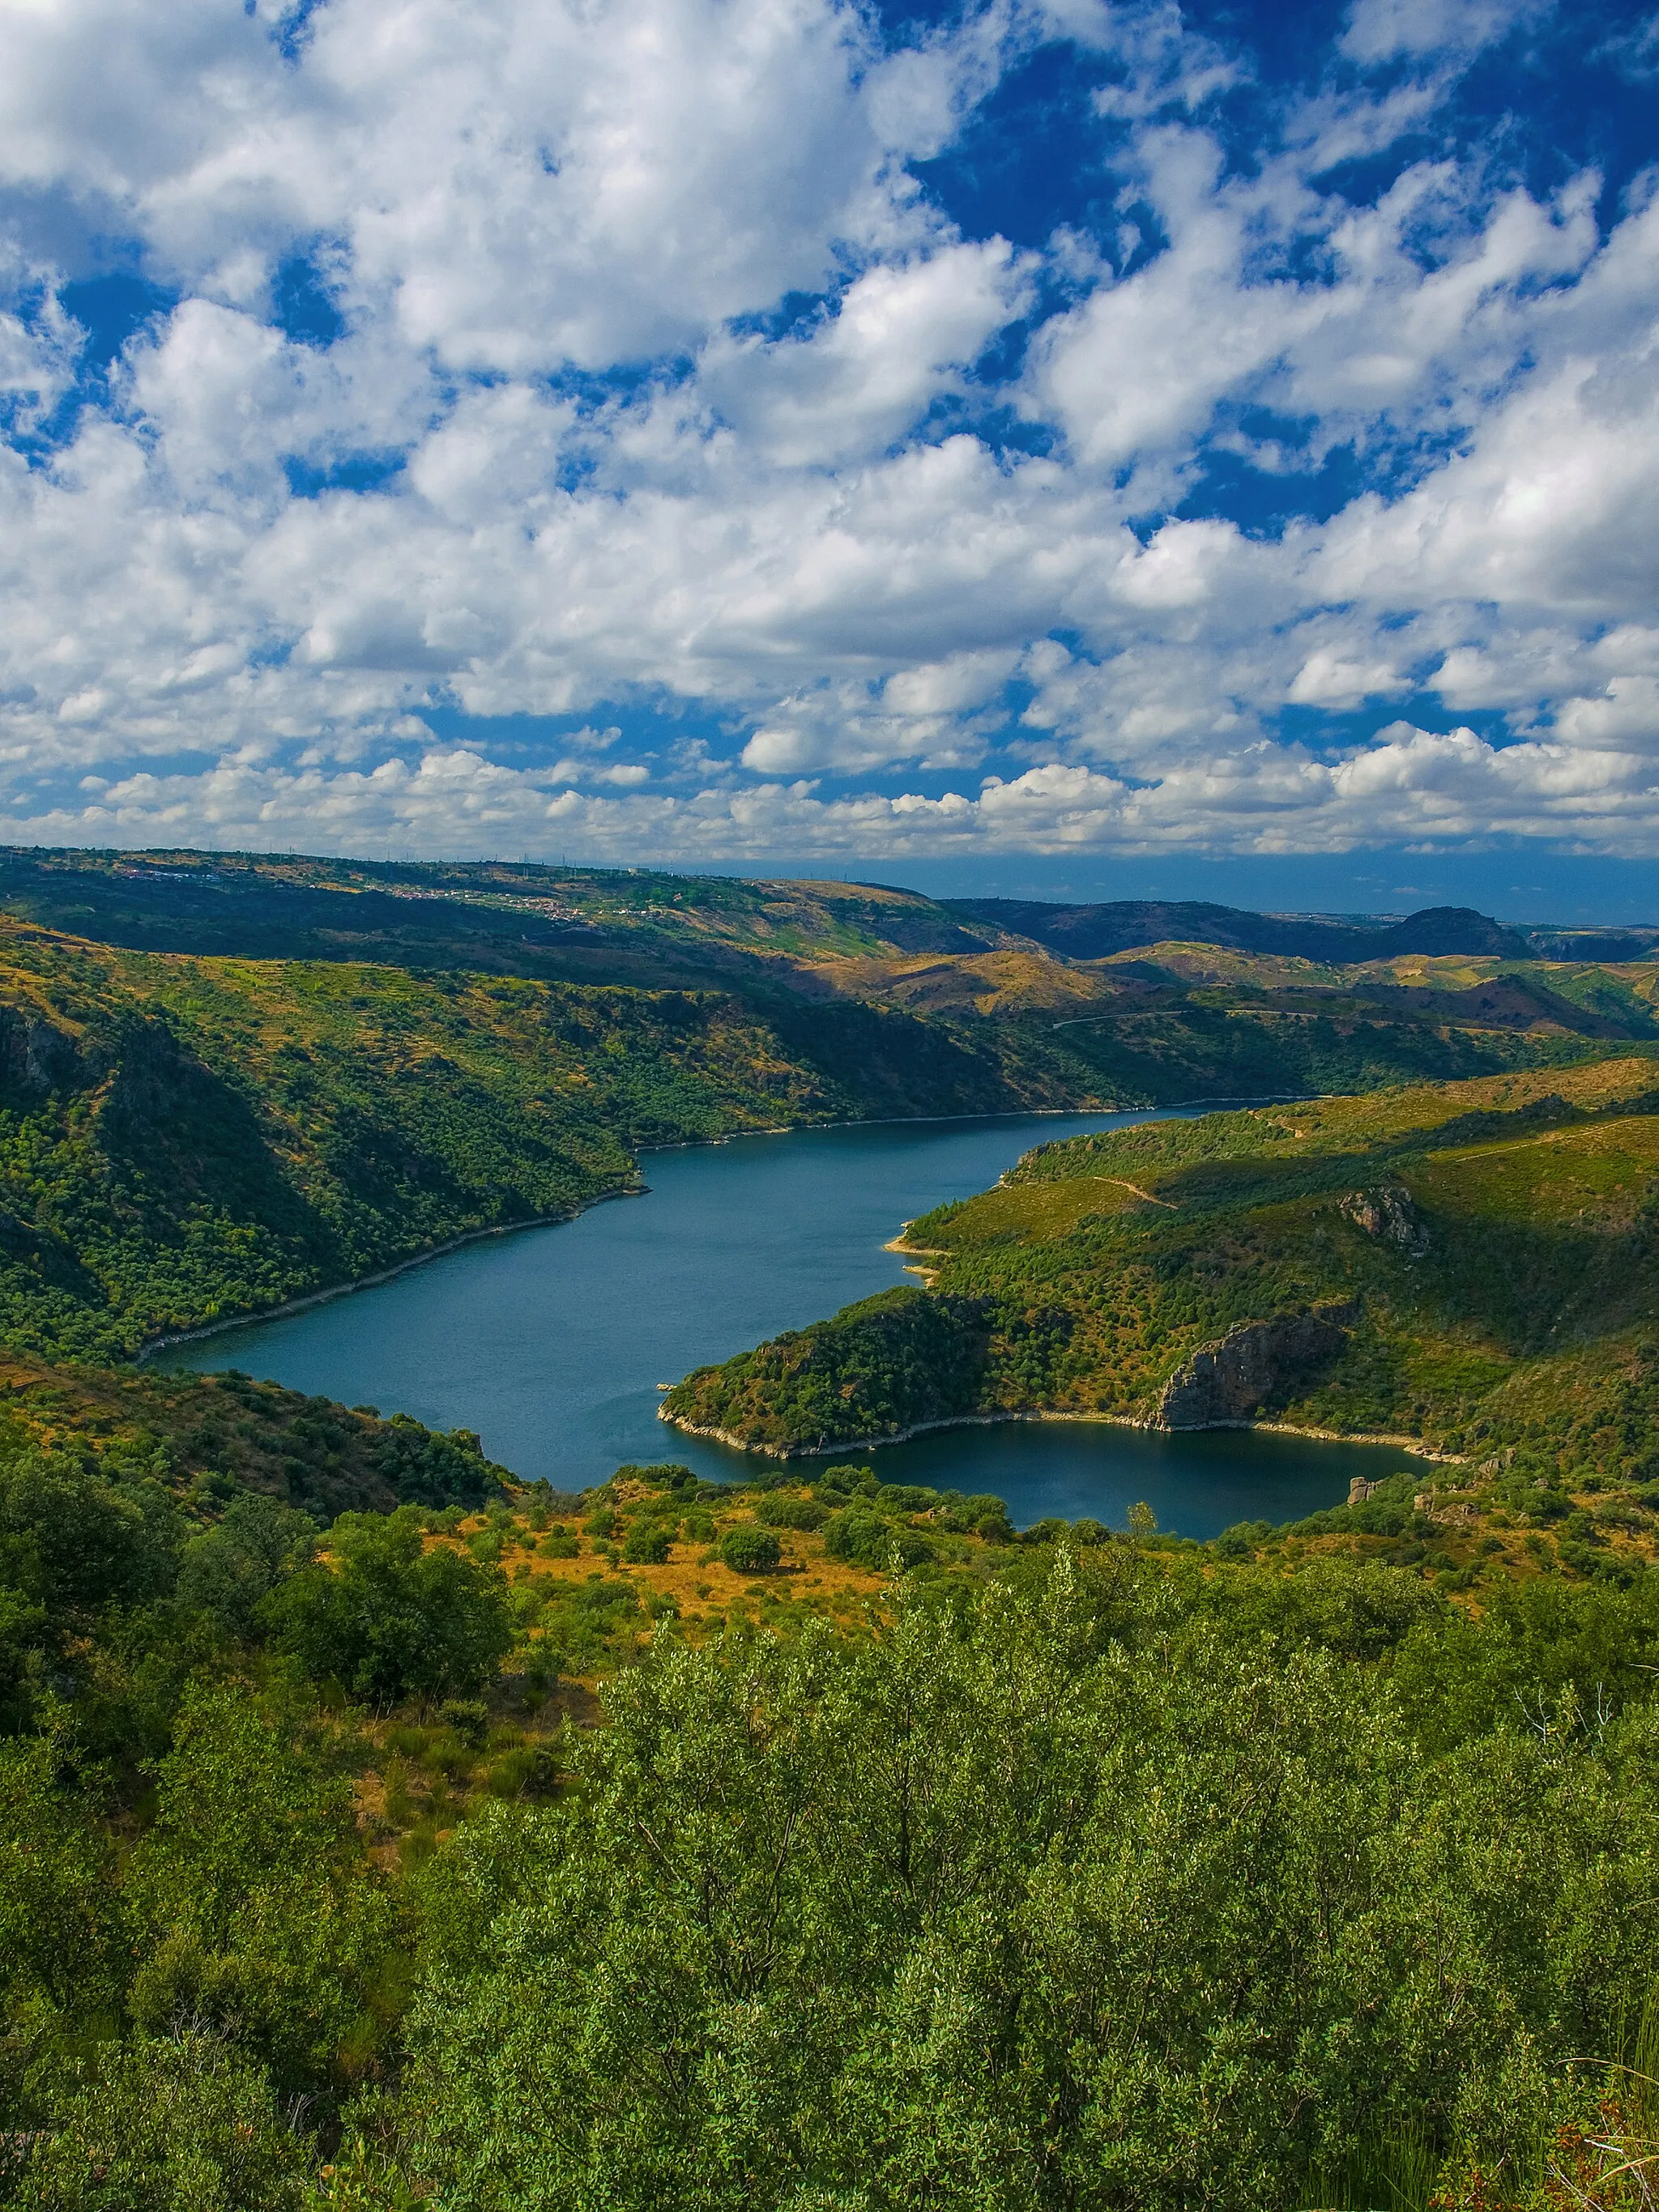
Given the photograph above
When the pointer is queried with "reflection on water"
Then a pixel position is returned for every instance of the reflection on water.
(551, 1342)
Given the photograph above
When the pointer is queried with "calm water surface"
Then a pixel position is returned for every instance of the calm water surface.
(551, 1342)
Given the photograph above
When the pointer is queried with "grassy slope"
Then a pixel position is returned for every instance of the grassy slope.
(1524, 1335)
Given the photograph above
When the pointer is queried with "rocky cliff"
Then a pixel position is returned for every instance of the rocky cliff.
(1230, 1379)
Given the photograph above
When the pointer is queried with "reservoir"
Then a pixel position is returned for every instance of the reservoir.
(551, 1342)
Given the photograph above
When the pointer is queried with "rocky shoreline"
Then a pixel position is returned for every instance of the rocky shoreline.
(1414, 1445)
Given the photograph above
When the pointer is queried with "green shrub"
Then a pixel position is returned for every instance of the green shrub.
(511, 1774)
(648, 1544)
(749, 1549)
(390, 1619)
(468, 1717)
(167, 2124)
(802, 1513)
(868, 1539)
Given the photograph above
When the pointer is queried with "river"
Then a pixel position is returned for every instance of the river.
(550, 1341)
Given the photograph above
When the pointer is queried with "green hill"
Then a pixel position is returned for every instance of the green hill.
(979, 1006)
(1471, 1265)
(184, 1138)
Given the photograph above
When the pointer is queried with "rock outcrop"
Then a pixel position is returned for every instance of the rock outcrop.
(35, 1055)
(1387, 1212)
(1230, 1380)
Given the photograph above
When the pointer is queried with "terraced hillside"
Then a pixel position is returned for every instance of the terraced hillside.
(1471, 1265)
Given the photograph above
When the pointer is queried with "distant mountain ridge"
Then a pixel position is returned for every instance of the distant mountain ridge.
(1091, 933)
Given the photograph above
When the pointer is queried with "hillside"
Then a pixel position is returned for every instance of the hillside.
(905, 1846)
(1090, 933)
(906, 1004)
(991, 1864)
(183, 1139)
(208, 1438)
(1472, 1265)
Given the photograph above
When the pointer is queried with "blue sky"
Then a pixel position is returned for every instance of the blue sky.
(1116, 448)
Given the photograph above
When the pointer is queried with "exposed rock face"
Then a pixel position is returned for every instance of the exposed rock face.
(1228, 1380)
(1387, 1212)
(35, 1056)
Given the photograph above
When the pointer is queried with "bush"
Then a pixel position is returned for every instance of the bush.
(468, 1717)
(864, 1539)
(648, 1544)
(512, 1773)
(226, 1570)
(846, 1480)
(803, 1513)
(166, 2124)
(749, 1549)
(662, 1474)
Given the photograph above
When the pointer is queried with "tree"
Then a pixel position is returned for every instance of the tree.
(249, 1894)
(57, 1899)
(750, 1550)
(72, 1540)
(391, 1619)
(229, 1569)
(166, 2124)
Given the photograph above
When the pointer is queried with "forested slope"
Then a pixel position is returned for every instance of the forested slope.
(184, 1138)
(913, 1005)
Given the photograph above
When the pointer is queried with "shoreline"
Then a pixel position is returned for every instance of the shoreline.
(1412, 1444)
(353, 1283)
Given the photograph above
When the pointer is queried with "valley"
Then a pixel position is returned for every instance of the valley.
(385, 1823)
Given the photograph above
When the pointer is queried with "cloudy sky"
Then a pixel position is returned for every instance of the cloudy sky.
(722, 430)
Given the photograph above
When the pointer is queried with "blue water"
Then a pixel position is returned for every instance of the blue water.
(551, 1342)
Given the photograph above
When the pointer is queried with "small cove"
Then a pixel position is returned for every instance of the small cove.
(550, 1341)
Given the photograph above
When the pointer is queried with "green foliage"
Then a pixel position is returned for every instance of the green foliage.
(58, 1926)
(648, 1544)
(390, 1618)
(749, 1549)
(887, 1363)
(229, 1567)
(72, 1540)
(1004, 1909)
(806, 1514)
(590, 1627)
(255, 1911)
(171, 2123)
(870, 1540)
(1131, 1877)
